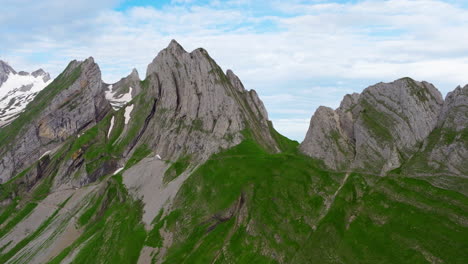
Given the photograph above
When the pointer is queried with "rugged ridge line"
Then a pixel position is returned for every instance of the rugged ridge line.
(71, 103)
(199, 109)
(383, 128)
(186, 107)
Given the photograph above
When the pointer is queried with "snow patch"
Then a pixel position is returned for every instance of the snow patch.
(45, 153)
(111, 126)
(118, 101)
(17, 92)
(128, 111)
(118, 170)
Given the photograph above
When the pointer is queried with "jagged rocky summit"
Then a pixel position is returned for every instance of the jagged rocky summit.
(186, 106)
(185, 167)
(17, 89)
(402, 125)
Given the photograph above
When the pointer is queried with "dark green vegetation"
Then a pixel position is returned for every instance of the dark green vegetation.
(391, 220)
(23, 196)
(176, 169)
(115, 234)
(246, 205)
(140, 153)
(31, 237)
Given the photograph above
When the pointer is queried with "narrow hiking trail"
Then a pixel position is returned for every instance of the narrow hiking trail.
(329, 202)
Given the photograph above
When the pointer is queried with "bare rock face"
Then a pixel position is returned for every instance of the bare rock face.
(41, 72)
(186, 107)
(5, 70)
(326, 140)
(73, 102)
(377, 130)
(445, 151)
(330, 137)
(121, 92)
(198, 110)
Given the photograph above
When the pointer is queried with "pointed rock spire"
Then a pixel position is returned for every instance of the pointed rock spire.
(175, 47)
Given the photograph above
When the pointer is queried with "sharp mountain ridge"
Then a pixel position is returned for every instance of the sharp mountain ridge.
(184, 166)
(402, 125)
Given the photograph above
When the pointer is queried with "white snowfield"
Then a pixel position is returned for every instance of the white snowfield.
(111, 126)
(128, 111)
(16, 92)
(118, 170)
(118, 101)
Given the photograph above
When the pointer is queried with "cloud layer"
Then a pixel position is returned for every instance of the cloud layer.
(297, 55)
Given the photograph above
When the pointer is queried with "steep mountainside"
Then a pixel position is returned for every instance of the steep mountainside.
(185, 167)
(445, 151)
(390, 126)
(71, 103)
(17, 89)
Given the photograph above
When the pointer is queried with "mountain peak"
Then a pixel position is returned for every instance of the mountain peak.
(41, 72)
(134, 73)
(90, 59)
(193, 89)
(6, 68)
(386, 118)
(174, 46)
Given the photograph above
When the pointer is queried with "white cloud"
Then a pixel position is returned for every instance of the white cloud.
(313, 55)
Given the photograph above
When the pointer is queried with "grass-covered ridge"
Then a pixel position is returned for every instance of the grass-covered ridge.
(241, 187)
(246, 205)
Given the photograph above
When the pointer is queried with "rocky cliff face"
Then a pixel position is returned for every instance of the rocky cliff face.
(122, 92)
(330, 137)
(194, 108)
(186, 107)
(129, 166)
(73, 102)
(445, 150)
(375, 131)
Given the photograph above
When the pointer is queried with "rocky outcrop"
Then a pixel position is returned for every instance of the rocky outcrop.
(5, 70)
(186, 107)
(330, 137)
(70, 104)
(445, 151)
(195, 108)
(121, 92)
(377, 130)
(45, 75)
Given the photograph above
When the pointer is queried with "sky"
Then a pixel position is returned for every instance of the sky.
(297, 54)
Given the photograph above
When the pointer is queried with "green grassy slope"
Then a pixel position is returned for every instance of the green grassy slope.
(391, 220)
(246, 205)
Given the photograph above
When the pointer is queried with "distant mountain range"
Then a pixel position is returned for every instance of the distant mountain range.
(184, 166)
(17, 89)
